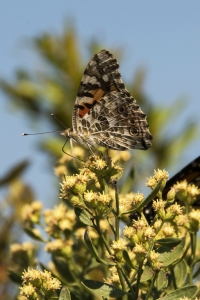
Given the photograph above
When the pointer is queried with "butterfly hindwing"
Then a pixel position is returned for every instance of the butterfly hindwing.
(117, 122)
(190, 173)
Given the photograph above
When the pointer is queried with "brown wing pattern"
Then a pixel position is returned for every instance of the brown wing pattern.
(117, 122)
(101, 76)
(105, 113)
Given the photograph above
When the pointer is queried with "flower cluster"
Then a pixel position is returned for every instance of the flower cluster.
(86, 189)
(59, 221)
(168, 213)
(60, 247)
(23, 255)
(140, 232)
(36, 281)
(138, 251)
(158, 175)
(31, 213)
(186, 192)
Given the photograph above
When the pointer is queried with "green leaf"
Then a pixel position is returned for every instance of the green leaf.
(92, 249)
(15, 172)
(90, 245)
(169, 242)
(102, 289)
(63, 268)
(33, 234)
(64, 294)
(83, 216)
(188, 291)
(161, 281)
(15, 276)
(127, 259)
(169, 256)
(107, 212)
(181, 271)
(147, 274)
(106, 191)
(152, 195)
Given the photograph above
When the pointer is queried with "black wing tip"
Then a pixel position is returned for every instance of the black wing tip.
(146, 144)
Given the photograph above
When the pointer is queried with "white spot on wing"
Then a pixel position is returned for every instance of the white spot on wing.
(105, 78)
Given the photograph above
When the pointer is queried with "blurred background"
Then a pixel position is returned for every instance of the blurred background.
(45, 48)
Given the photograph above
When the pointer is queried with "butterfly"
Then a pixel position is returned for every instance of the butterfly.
(190, 173)
(105, 114)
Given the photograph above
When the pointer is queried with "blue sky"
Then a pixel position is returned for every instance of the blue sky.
(162, 36)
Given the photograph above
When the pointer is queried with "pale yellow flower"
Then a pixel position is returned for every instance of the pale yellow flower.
(119, 245)
(27, 290)
(139, 249)
(90, 196)
(158, 175)
(104, 198)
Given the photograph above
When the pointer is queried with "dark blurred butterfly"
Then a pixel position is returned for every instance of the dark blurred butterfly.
(190, 173)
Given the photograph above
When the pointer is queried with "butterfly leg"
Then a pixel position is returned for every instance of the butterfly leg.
(89, 147)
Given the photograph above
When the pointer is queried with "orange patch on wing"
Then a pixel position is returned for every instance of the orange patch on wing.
(113, 88)
(83, 112)
(98, 94)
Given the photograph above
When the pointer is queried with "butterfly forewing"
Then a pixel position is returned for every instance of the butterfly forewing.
(105, 114)
(101, 76)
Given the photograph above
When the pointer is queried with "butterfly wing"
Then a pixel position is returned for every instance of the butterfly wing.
(116, 122)
(104, 112)
(101, 76)
(190, 173)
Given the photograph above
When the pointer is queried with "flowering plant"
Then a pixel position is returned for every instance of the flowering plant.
(97, 250)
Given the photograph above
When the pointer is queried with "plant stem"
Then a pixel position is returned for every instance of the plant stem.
(138, 280)
(117, 214)
(151, 286)
(193, 239)
(123, 276)
(97, 227)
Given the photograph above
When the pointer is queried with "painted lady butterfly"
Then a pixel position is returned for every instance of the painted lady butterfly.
(105, 114)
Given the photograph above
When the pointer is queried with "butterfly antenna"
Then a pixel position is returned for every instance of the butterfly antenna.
(59, 131)
(24, 134)
(58, 120)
